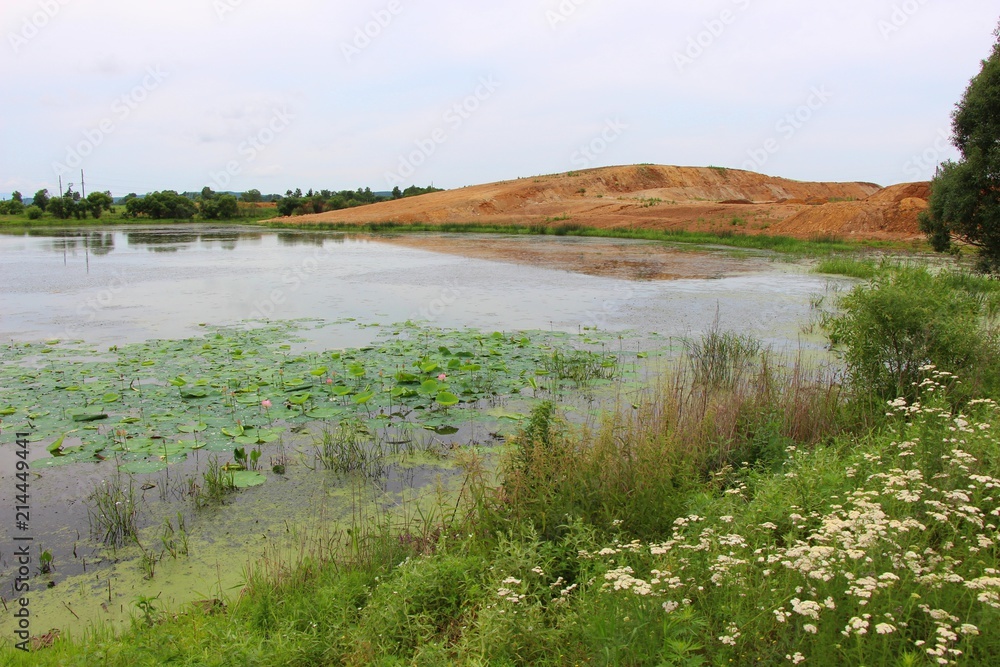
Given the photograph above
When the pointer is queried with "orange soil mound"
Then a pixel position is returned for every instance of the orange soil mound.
(890, 213)
(664, 198)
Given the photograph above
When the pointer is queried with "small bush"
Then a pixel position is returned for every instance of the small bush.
(33, 212)
(907, 318)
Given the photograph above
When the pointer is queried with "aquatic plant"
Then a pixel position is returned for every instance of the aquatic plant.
(153, 404)
(113, 510)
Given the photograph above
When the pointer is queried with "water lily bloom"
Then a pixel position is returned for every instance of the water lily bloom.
(266, 403)
(329, 380)
(442, 377)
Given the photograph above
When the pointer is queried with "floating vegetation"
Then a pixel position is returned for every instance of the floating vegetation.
(238, 390)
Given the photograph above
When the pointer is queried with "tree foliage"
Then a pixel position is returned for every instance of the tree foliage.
(98, 202)
(296, 203)
(214, 206)
(167, 204)
(965, 195)
(41, 199)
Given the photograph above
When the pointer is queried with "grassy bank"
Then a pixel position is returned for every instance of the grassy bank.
(744, 510)
(12, 223)
(819, 246)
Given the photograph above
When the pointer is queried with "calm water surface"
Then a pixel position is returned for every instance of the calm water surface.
(134, 283)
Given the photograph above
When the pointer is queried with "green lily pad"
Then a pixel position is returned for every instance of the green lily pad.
(87, 414)
(244, 479)
(447, 399)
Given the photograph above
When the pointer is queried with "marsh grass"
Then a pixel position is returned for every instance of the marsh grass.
(113, 510)
(729, 403)
(351, 447)
(218, 484)
(722, 358)
(852, 267)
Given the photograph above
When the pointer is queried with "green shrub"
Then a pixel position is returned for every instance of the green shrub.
(905, 319)
(33, 212)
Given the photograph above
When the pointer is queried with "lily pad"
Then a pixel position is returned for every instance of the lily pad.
(87, 414)
(244, 479)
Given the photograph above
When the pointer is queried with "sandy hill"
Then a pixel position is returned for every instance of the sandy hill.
(663, 197)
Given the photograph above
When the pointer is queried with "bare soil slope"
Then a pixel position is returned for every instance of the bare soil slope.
(890, 213)
(662, 197)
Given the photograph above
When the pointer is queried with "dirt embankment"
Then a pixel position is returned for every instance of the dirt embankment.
(665, 198)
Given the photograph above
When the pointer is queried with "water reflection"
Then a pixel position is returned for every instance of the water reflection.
(99, 243)
(172, 239)
(308, 238)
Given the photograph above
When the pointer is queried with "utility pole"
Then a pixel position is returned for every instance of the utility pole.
(60, 187)
(83, 186)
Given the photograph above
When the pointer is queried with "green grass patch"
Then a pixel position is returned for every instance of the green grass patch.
(852, 267)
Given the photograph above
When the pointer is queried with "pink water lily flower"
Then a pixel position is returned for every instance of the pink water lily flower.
(266, 403)
(442, 377)
(329, 380)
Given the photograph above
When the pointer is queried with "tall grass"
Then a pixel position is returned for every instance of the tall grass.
(113, 510)
(728, 404)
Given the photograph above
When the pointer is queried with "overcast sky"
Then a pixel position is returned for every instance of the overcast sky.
(238, 94)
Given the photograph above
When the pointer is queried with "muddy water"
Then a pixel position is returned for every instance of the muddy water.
(119, 285)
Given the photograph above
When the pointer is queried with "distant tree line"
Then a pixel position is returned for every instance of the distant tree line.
(296, 203)
(207, 204)
(69, 205)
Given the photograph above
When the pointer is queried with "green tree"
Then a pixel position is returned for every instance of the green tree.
(161, 205)
(16, 196)
(41, 199)
(290, 205)
(60, 207)
(218, 207)
(99, 202)
(252, 196)
(965, 195)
